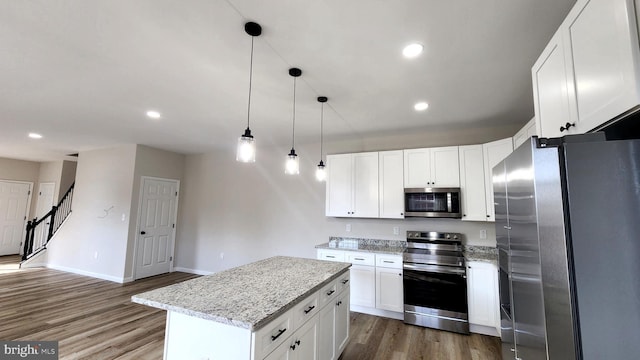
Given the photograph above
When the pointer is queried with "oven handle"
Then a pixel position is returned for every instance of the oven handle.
(435, 269)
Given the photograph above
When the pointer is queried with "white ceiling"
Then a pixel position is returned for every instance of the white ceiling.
(84, 72)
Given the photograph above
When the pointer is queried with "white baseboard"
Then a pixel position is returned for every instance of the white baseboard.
(484, 330)
(377, 312)
(192, 271)
(87, 273)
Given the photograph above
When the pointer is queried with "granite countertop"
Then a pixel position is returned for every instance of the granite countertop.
(248, 296)
(394, 247)
(481, 253)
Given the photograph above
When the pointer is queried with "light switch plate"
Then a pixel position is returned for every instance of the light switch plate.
(348, 228)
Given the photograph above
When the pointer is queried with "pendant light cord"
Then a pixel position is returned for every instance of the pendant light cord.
(293, 135)
(321, 127)
(250, 81)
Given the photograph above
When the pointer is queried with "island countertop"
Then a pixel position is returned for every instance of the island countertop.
(248, 296)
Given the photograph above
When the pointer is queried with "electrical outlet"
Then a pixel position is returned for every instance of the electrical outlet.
(221, 256)
(95, 255)
(124, 216)
(396, 230)
(483, 234)
(348, 228)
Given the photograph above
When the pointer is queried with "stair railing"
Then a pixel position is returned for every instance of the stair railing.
(45, 227)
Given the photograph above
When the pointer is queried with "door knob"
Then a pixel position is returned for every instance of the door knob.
(142, 232)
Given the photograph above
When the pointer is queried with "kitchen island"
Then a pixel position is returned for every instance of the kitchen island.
(277, 308)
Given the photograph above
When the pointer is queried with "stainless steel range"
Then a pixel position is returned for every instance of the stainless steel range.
(435, 281)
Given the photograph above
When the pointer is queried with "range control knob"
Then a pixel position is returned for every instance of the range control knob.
(455, 237)
(448, 236)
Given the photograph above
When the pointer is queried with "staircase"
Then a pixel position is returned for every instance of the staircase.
(40, 231)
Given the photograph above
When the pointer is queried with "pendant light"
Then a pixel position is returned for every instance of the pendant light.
(246, 151)
(292, 166)
(321, 171)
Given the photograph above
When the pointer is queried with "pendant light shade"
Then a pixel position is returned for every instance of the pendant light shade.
(292, 166)
(321, 171)
(246, 151)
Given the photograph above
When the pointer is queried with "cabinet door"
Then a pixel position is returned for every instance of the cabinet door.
(391, 184)
(417, 168)
(363, 285)
(483, 293)
(339, 191)
(552, 95)
(527, 131)
(493, 153)
(365, 185)
(304, 343)
(445, 169)
(342, 322)
(474, 203)
(602, 36)
(326, 333)
(389, 295)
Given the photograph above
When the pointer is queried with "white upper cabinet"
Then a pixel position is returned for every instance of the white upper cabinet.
(551, 93)
(352, 185)
(602, 36)
(391, 184)
(590, 71)
(474, 205)
(431, 167)
(493, 153)
(527, 131)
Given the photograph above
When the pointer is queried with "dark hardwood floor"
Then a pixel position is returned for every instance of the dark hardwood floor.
(377, 338)
(95, 319)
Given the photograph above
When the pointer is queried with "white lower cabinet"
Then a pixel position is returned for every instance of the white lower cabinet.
(333, 327)
(363, 285)
(300, 346)
(376, 281)
(482, 285)
(389, 289)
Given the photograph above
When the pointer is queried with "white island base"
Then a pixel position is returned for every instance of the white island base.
(307, 321)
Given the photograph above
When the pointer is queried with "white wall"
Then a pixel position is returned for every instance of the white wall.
(50, 172)
(155, 163)
(68, 176)
(253, 211)
(103, 192)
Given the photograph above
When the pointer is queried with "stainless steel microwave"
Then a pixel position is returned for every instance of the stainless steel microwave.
(432, 202)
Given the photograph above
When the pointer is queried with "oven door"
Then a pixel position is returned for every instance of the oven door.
(435, 287)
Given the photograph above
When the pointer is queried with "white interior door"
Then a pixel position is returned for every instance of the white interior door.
(14, 200)
(154, 248)
(45, 203)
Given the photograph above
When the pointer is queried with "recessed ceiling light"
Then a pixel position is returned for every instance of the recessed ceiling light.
(153, 114)
(412, 50)
(35, 136)
(421, 106)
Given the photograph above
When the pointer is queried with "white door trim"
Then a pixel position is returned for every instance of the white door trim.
(139, 215)
(28, 212)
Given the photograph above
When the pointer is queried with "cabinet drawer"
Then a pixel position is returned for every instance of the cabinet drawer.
(358, 258)
(273, 334)
(343, 281)
(331, 255)
(328, 293)
(306, 309)
(389, 261)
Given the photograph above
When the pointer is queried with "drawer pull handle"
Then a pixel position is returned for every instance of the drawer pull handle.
(330, 292)
(388, 262)
(280, 332)
(345, 281)
(330, 256)
(359, 259)
(309, 309)
(293, 347)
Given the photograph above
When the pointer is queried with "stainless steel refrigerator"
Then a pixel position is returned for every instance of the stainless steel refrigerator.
(568, 235)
